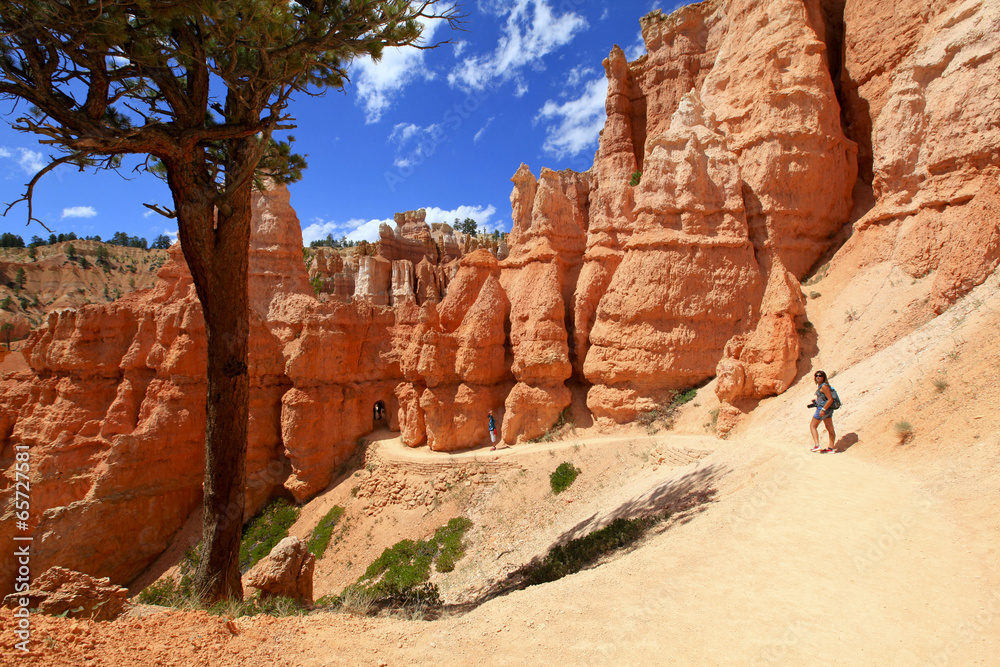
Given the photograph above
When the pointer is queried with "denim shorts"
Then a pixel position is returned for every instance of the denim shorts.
(817, 415)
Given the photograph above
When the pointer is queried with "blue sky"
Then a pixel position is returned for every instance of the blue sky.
(440, 129)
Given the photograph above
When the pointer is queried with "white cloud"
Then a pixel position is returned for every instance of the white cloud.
(31, 162)
(481, 214)
(532, 31)
(78, 212)
(577, 75)
(379, 83)
(355, 230)
(360, 229)
(574, 126)
(637, 49)
(479, 134)
(414, 143)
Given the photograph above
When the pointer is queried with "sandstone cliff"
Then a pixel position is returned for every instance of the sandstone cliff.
(748, 143)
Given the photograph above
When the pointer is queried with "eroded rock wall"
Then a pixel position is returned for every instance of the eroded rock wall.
(540, 276)
(927, 84)
(722, 176)
(453, 360)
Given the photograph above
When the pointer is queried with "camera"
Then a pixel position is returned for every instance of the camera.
(812, 405)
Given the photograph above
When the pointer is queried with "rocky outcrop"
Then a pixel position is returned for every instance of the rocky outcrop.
(547, 240)
(285, 572)
(339, 363)
(114, 412)
(62, 592)
(722, 169)
(688, 280)
(763, 363)
(453, 362)
(926, 84)
(411, 240)
(773, 97)
(333, 271)
(721, 157)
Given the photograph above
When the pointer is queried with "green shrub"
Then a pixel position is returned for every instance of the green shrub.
(399, 576)
(449, 538)
(170, 593)
(904, 430)
(563, 476)
(323, 531)
(265, 530)
(685, 396)
(636, 177)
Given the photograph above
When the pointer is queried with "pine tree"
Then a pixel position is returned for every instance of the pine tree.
(201, 86)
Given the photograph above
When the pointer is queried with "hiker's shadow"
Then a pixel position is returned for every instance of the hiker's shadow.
(846, 442)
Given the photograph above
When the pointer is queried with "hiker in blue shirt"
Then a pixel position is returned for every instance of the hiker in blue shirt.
(493, 431)
(824, 405)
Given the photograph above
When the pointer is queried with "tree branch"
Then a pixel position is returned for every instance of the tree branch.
(30, 191)
(167, 213)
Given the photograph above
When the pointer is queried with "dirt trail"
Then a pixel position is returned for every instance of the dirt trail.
(805, 559)
(796, 558)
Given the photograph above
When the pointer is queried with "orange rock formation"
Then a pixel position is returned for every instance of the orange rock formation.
(723, 175)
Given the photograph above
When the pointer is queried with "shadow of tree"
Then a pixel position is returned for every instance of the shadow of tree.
(674, 502)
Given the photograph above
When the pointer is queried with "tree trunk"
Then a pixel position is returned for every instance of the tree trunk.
(216, 248)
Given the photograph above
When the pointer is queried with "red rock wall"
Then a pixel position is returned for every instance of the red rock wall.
(540, 275)
(453, 361)
(722, 168)
(923, 76)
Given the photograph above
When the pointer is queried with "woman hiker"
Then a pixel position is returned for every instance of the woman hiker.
(824, 413)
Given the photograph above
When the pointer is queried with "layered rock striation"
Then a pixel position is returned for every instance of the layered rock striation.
(737, 153)
(921, 79)
(547, 240)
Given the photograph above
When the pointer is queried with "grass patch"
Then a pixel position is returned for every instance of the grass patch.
(563, 425)
(323, 531)
(904, 431)
(399, 577)
(577, 554)
(819, 275)
(713, 418)
(170, 593)
(940, 384)
(663, 416)
(271, 605)
(265, 530)
(563, 477)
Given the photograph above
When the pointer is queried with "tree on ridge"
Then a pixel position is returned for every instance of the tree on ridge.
(199, 86)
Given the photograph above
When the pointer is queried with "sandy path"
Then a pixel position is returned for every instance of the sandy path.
(817, 559)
